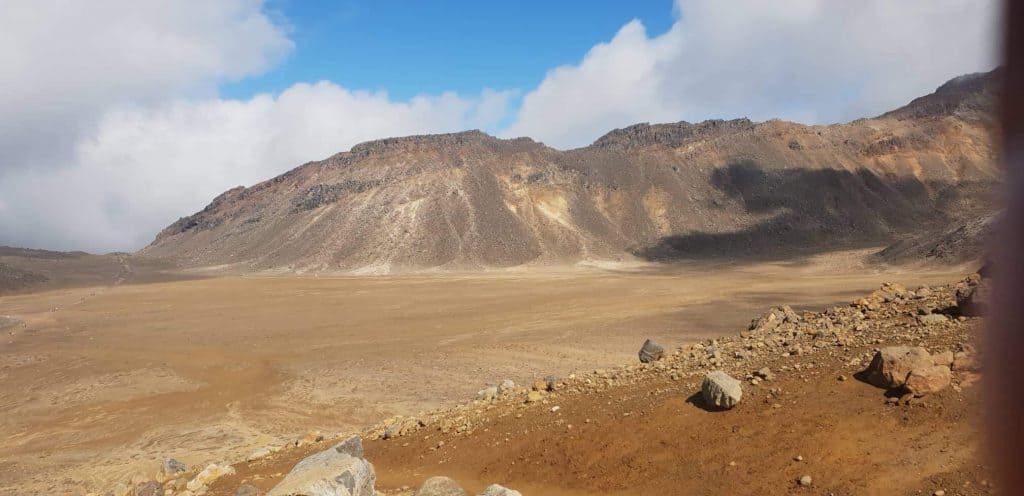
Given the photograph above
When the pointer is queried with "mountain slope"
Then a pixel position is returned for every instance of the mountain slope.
(469, 200)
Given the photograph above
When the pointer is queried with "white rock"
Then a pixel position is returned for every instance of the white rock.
(496, 490)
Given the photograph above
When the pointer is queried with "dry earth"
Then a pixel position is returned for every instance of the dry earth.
(99, 383)
(811, 425)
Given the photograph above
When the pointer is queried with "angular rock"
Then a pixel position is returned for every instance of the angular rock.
(927, 380)
(932, 319)
(506, 386)
(151, 488)
(247, 490)
(332, 472)
(209, 474)
(496, 490)
(892, 365)
(171, 468)
(440, 486)
(651, 352)
(721, 390)
(973, 300)
(487, 394)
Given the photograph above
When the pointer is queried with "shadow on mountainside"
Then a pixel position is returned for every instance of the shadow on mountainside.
(818, 210)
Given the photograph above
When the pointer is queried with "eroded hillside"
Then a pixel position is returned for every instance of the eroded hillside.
(737, 188)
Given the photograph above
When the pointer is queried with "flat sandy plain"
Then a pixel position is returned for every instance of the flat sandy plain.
(99, 383)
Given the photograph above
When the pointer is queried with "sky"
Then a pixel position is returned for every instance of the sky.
(117, 117)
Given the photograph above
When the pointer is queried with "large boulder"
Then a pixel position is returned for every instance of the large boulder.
(651, 352)
(496, 490)
(440, 486)
(892, 365)
(721, 390)
(338, 471)
(927, 380)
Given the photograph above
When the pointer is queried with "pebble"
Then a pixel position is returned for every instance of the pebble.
(806, 480)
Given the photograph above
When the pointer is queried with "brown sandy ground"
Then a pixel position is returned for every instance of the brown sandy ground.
(97, 384)
(642, 430)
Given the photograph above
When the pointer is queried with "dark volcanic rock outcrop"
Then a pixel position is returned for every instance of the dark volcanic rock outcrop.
(664, 191)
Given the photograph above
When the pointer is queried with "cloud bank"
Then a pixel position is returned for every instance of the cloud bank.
(810, 61)
(111, 128)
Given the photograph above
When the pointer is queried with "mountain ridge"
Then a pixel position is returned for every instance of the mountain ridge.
(471, 200)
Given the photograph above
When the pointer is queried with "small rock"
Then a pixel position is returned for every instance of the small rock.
(258, 454)
(440, 486)
(487, 394)
(247, 490)
(806, 481)
(171, 468)
(496, 490)
(932, 319)
(651, 352)
(506, 386)
(150, 488)
(721, 390)
(534, 396)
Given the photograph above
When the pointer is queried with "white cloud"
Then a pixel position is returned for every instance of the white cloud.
(146, 166)
(813, 61)
(64, 63)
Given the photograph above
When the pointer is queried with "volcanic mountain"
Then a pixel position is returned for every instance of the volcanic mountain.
(717, 188)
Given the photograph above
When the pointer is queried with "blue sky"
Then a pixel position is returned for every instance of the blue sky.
(410, 48)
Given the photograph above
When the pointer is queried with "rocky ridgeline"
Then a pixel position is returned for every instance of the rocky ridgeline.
(782, 341)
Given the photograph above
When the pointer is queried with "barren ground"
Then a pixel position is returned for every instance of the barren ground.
(99, 383)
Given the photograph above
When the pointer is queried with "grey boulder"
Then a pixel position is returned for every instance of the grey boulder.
(721, 390)
(338, 471)
(651, 352)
